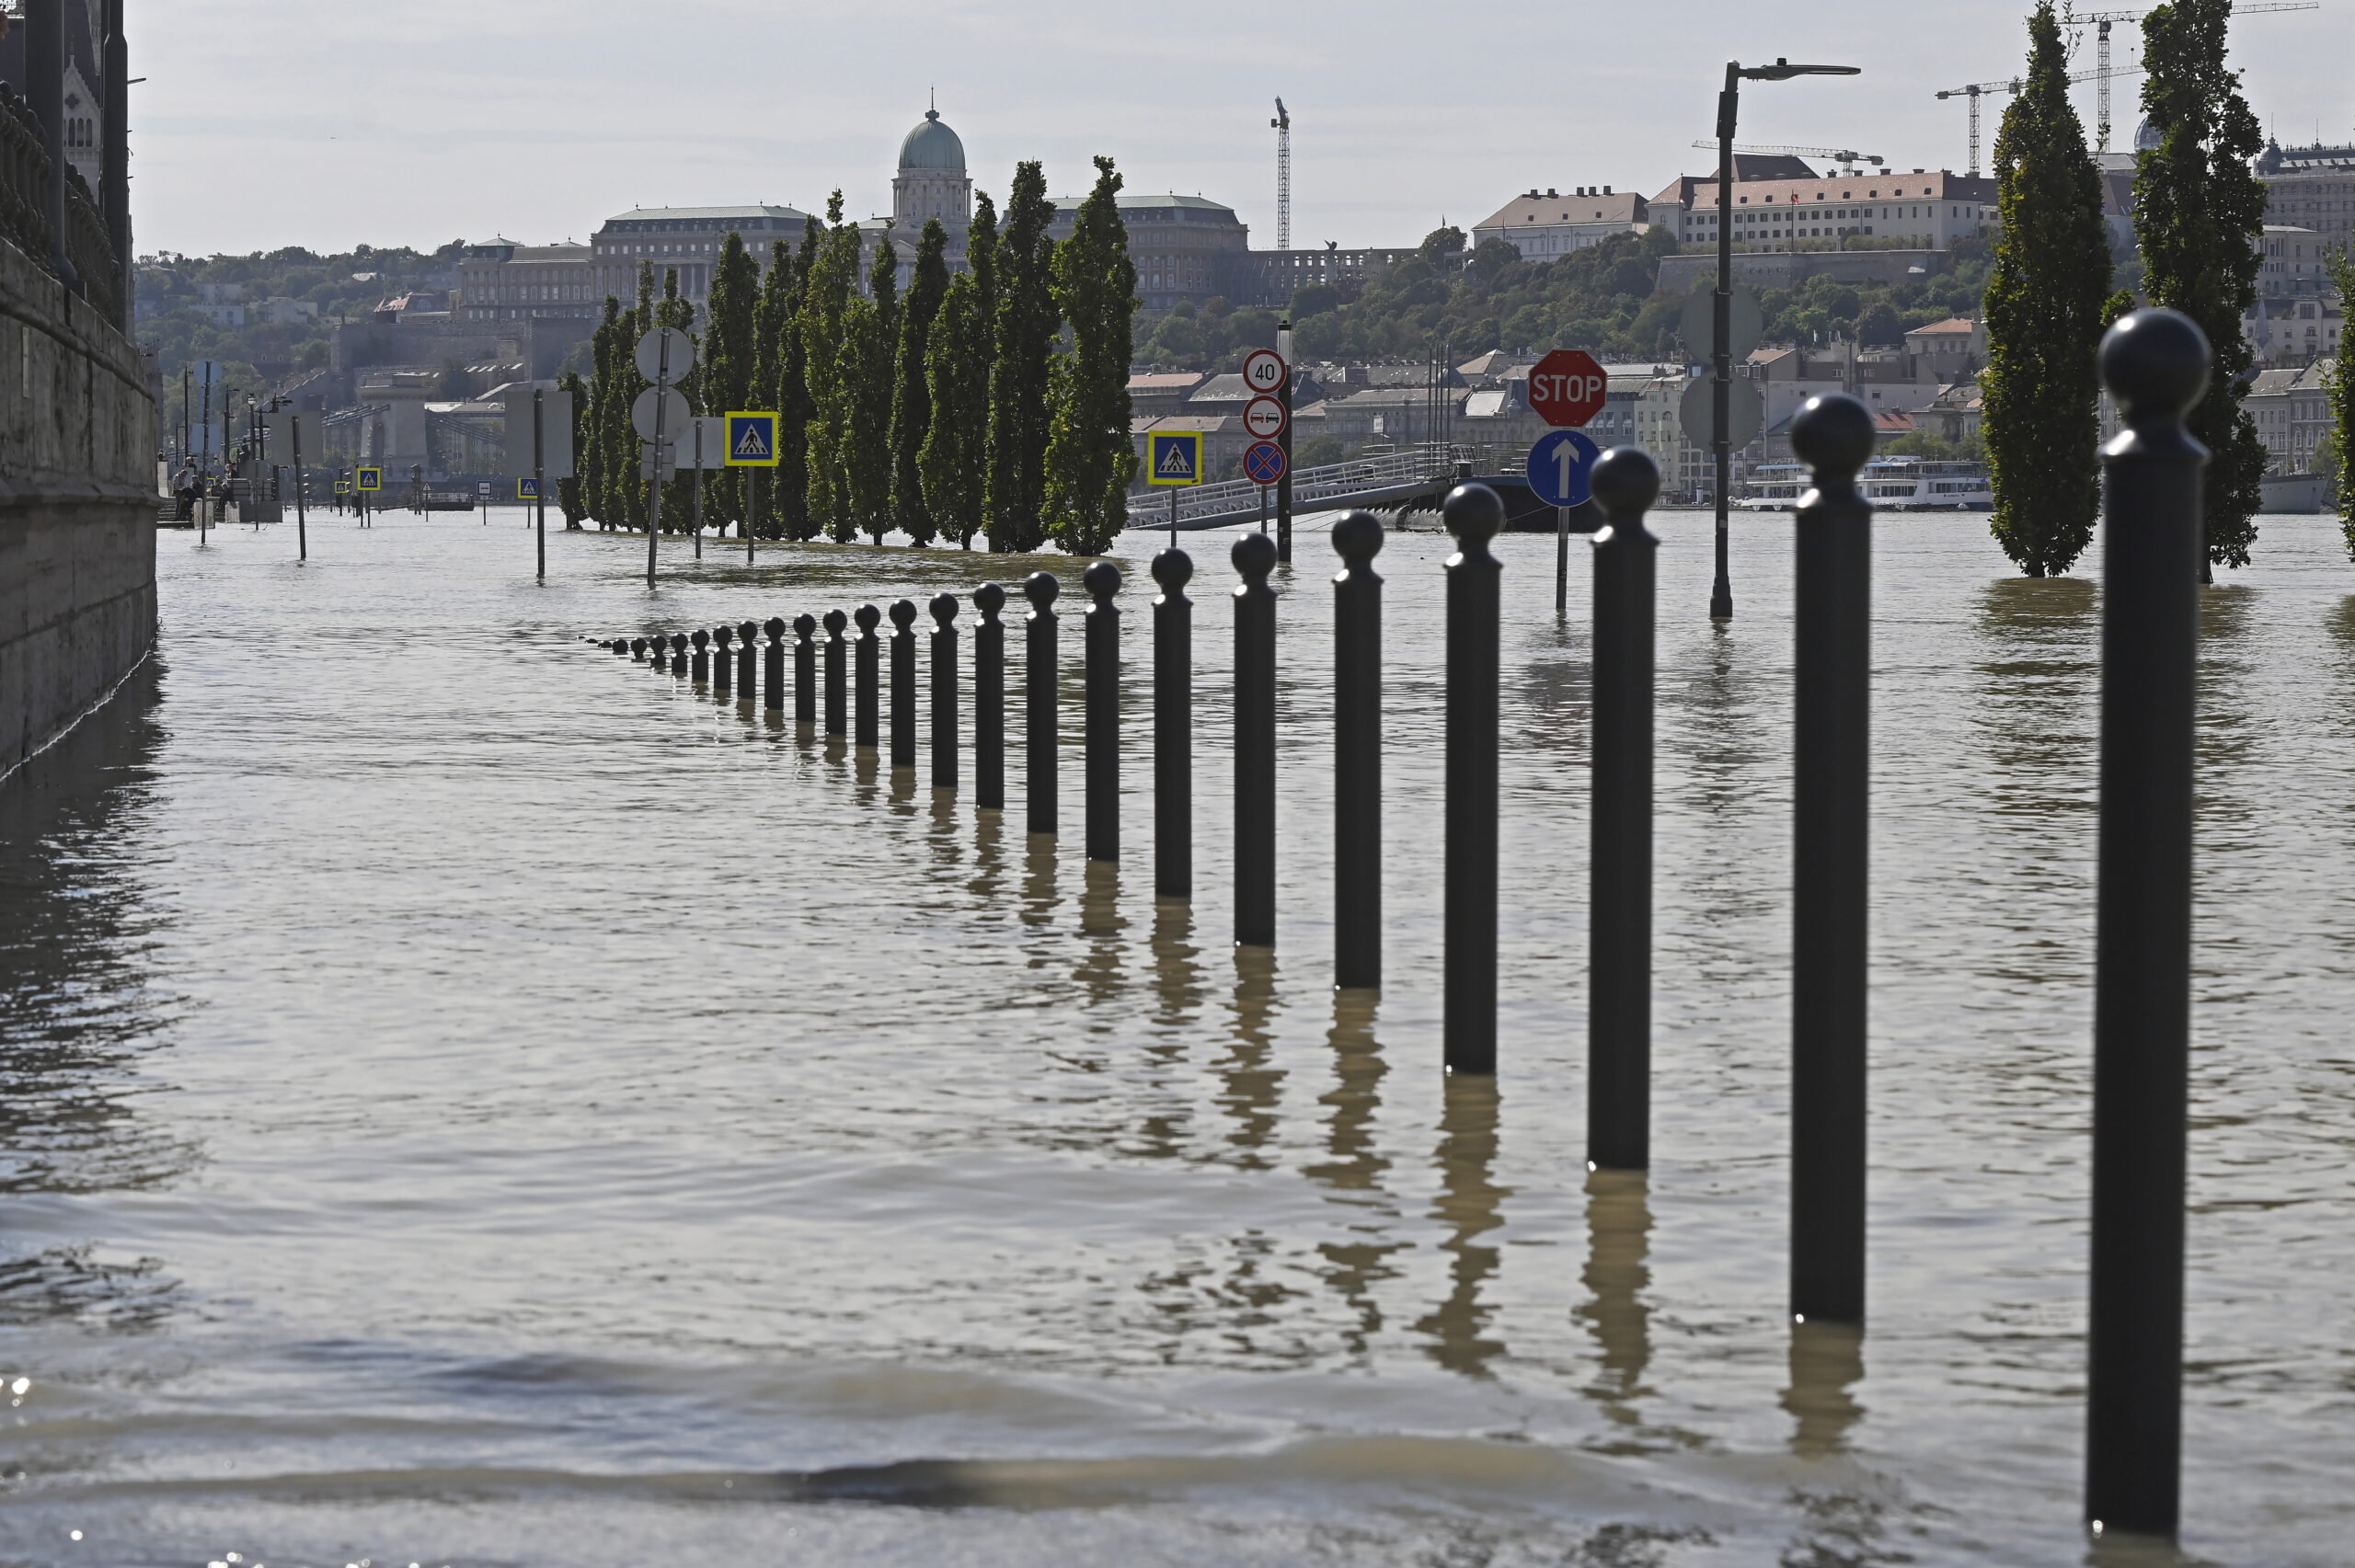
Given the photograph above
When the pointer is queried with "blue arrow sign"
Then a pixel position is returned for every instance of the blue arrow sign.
(1559, 465)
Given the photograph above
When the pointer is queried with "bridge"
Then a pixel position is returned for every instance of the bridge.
(1391, 480)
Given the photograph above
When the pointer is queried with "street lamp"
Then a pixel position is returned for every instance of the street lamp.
(1721, 356)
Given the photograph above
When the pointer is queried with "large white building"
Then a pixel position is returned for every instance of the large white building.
(1547, 223)
(1928, 208)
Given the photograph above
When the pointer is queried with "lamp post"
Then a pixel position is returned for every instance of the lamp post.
(1721, 314)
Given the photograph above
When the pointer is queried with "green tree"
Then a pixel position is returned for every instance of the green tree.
(1026, 324)
(911, 393)
(2339, 439)
(955, 458)
(825, 297)
(2198, 215)
(1091, 454)
(772, 306)
(2045, 305)
(724, 379)
(863, 394)
(571, 497)
(677, 493)
(589, 422)
(795, 405)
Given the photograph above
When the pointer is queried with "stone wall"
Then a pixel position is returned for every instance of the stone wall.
(78, 508)
(1788, 268)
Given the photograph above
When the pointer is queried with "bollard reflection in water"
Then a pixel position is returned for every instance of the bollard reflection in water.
(1468, 1200)
(1101, 923)
(1618, 1273)
(1354, 1166)
(1827, 1361)
(1251, 1087)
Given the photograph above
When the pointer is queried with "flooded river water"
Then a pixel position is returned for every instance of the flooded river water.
(470, 1100)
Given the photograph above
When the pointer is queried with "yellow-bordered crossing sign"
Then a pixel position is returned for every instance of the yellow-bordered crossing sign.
(368, 478)
(1173, 457)
(527, 488)
(751, 439)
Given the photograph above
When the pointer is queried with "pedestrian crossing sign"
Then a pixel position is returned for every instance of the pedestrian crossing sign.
(527, 490)
(1173, 457)
(752, 440)
(368, 478)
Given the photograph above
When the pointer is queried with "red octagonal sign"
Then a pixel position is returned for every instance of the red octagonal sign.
(1567, 387)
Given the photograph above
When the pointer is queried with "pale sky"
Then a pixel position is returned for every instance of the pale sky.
(330, 123)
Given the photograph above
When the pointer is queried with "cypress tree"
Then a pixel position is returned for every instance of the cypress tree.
(1026, 324)
(2046, 301)
(772, 319)
(911, 396)
(956, 446)
(795, 406)
(2340, 390)
(981, 260)
(570, 495)
(725, 377)
(2198, 215)
(869, 334)
(825, 299)
(1090, 457)
(589, 422)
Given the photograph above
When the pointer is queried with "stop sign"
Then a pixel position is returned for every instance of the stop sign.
(1567, 387)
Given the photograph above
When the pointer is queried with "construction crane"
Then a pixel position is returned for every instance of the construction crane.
(1837, 155)
(1282, 125)
(1973, 92)
(2100, 21)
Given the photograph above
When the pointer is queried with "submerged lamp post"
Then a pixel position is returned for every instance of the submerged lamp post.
(1721, 314)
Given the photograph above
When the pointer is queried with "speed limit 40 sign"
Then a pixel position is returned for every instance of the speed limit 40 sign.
(1264, 371)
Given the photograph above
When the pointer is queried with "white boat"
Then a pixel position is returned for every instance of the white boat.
(1892, 484)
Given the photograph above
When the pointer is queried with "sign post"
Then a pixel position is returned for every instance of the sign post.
(751, 442)
(1567, 388)
(540, 477)
(1283, 357)
(302, 525)
(1172, 459)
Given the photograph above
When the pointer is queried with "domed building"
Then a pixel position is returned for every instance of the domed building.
(931, 181)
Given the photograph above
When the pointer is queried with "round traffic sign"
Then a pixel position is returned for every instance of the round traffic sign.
(675, 414)
(1264, 371)
(666, 351)
(1567, 387)
(1263, 463)
(1265, 418)
(1559, 465)
(1745, 320)
(1745, 411)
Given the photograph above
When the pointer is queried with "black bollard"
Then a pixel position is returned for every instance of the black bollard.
(805, 671)
(1468, 1010)
(1039, 700)
(943, 691)
(723, 662)
(1100, 642)
(1619, 855)
(747, 660)
(867, 699)
(773, 665)
(1832, 434)
(989, 699)
(1173, 726)
(638, 648)
(1356, 754)
(1255, 743)
(702, 659)
(2155, 364)
(837, 675)
(903, 683)
(678, 653)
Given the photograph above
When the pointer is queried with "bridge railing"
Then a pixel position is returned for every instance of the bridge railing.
(1312, 488)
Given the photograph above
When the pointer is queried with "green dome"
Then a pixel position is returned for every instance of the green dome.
(933, 146)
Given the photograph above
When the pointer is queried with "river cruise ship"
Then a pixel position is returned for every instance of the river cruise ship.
(1892, 484)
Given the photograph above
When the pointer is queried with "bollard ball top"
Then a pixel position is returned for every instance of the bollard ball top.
(943, 609)
(835, 621)
(638, 648)
(1832, 434)
(776, 628)
(1626, 482)
(678, 642)
(805, 625)
(1358, 537)
(1474, 513)
(1255, 556)
(868, 617)
(751, 631)
(1102, 580)
(903, 613)
(1173, 569)
(700, 638)
(989, 598)
(720, 633)
(1039, 589)
(2155, 364)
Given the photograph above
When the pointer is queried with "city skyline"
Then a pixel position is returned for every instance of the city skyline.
(528, 123)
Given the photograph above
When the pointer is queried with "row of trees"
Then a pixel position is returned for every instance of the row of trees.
(993, 404)
(2200, 210)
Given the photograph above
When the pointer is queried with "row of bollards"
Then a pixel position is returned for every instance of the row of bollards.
(2154, 361)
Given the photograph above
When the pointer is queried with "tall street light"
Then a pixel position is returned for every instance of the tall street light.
(1728, 105)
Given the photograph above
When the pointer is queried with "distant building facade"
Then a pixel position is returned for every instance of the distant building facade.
(1544, 225)
(1929, 209)
(2311, 187)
